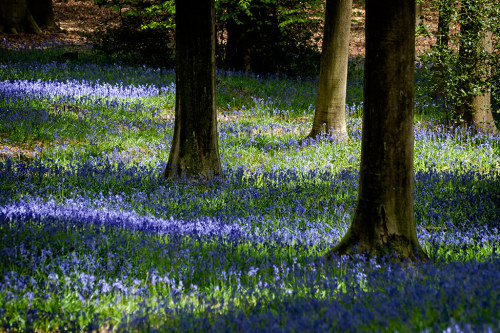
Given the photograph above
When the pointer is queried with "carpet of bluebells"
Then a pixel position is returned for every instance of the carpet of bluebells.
(93, 238)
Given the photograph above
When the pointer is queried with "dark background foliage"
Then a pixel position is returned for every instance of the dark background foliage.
(260, 36)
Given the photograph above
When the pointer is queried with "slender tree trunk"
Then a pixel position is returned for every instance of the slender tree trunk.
(384, 219)
(474, 110)
(195, 149)
(444, 20)
(329, 116)
(440, 75)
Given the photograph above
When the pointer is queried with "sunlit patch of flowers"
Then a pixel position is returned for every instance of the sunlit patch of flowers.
(93, 238)
(78, 88)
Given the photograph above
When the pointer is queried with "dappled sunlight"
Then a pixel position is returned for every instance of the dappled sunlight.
(93, 236)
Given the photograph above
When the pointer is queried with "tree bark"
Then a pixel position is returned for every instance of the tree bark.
(482, 116)
(384, 223)
(329, 116)
(27, 16)
(195, 149)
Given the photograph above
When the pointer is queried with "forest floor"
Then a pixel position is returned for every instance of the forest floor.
(78, 19)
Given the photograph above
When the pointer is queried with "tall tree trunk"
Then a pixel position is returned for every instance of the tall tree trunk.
(27, 16)
(474, 110)
(195, 149)
(384, 219)
(329, 116)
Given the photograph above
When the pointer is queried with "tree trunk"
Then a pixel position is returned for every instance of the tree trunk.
(238, 46)
(440, 74)
(195, 149)
(27, 16)
(329, 116)
(252, 38)
(43, 13)
(474, 110)
(384, 223)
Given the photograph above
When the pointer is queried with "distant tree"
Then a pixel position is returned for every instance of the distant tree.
(195, 148)
(462, 81)
(474, 69)
(27, 16)
(421, 27)
(329, 116)
(384, 219)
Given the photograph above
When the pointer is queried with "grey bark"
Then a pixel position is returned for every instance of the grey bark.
(384, 223)
(329, 116)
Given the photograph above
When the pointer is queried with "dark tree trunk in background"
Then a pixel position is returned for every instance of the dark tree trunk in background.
(238, 47)
(252, 39)
(27, 16)
(474, 110)
(195, 149)
(43, 13)
(329, 116)
(384, 219)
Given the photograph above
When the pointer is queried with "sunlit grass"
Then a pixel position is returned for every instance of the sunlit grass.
(93, 237)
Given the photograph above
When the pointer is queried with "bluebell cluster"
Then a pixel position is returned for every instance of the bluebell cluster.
(78, 88)
(92, 237)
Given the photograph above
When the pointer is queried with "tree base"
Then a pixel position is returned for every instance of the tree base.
(397, 248)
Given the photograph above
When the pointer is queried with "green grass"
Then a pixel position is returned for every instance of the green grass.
(94, 238)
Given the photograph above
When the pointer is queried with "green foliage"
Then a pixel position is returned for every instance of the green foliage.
(272, 36)
(461, 66)
(282, 35)
(145, 34)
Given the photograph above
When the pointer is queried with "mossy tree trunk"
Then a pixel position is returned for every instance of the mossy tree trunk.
(475, 46)
(384, 223)
(329, 116)
(440, 73)
(195, 148)
(27, 16)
